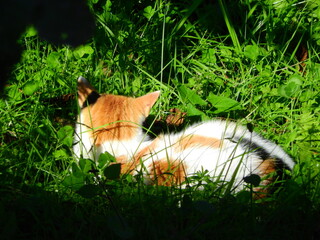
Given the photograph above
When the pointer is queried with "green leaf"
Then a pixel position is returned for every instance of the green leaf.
(65, 135)
(252, 52)
(148, 12)
(74, 182)
(86, 165)
(225, 52)
(89, 191)
(60, 154)
(107, 6)
(104, 159)
(76, 171)
(84, 51)
(253, 179)
(244, 197)
(223, 104)
(208, 56)
(136, 84)
(30, 87)
(296, 78)
(292, 87)
(53, 60)
(193, 111)
(112, 172)
(31, 32)
(190, 96)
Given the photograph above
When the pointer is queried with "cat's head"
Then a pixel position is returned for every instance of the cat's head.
(112, 116)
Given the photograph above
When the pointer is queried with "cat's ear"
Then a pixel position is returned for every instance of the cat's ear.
(86, 93)
(147, 101)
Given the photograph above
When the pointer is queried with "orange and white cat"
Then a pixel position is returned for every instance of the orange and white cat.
(230, 152)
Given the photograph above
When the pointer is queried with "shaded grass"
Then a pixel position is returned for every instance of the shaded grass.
(169, 47)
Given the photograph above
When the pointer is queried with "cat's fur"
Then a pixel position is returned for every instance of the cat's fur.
(113, 123)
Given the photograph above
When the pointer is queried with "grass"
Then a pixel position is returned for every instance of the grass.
(254, 61)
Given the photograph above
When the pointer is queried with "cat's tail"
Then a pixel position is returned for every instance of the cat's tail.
(264, 148)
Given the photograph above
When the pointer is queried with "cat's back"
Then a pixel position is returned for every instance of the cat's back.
(237, 134)
(225, 137)
(217, 129)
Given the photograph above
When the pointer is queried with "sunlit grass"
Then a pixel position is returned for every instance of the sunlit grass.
(240, 62)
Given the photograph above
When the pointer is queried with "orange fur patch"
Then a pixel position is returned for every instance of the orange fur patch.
(112, 118)
(115, 117)
(167, 172)
(197, 141)
(267, 167)
(129, 166)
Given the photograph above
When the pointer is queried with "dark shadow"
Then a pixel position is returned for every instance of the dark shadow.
(58, 21)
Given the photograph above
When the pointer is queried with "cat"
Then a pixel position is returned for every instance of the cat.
(228, 151)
